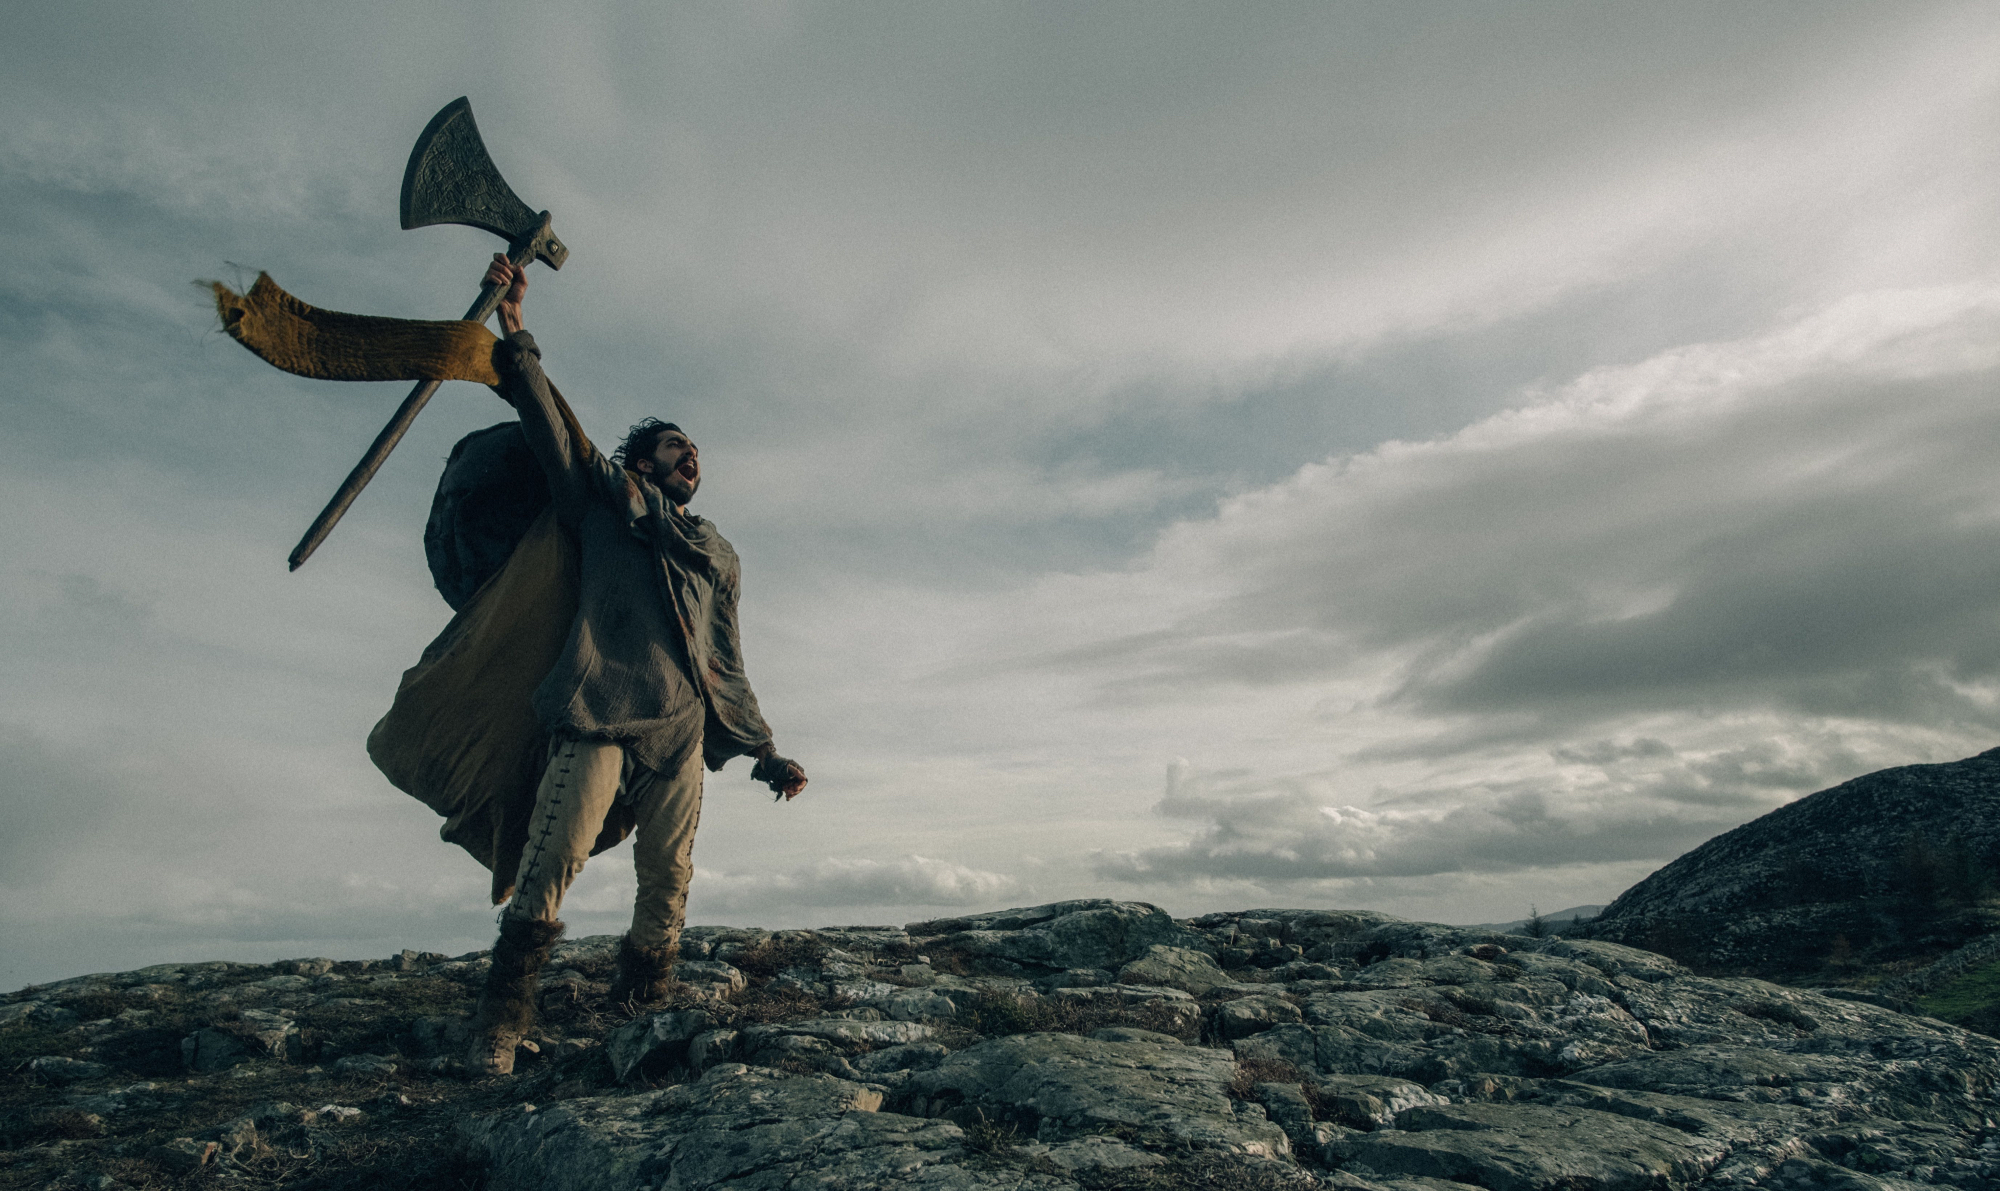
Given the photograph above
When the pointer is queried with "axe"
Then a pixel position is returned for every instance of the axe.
(450, 179)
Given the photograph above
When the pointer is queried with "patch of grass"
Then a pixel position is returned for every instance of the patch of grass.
(949, 961)
(1207, 1172)
(20, 1043)
(997, 1015)
(153, 1050)
(1251, 1072)
(419, 995)
(985, 1137)
(97, 1006)
(386, 1014)
(1972, 1000)
(578, 1011)
(894, 952)
(416, 1152)
(1157, 1016)
(21, 1129)
(152, 1047)
(757, 1005)
(786, 949)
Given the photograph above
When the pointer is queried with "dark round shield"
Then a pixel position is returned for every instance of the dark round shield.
(491, 491)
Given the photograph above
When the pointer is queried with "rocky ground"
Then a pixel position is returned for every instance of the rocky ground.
(1097, 1046)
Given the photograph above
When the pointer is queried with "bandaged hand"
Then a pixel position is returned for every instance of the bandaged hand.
(787, 778)
(503, 272)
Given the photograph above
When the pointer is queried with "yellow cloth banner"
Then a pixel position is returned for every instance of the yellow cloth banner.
(328, 345)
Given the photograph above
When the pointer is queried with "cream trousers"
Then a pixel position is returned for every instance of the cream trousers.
(583, 779)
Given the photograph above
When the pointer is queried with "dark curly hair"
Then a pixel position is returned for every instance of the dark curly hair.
(640, 441)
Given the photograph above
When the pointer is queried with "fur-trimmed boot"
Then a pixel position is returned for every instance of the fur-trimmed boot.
(645, 974)
(507, 1003)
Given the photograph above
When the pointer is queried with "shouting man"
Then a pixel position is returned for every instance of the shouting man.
(648, 687)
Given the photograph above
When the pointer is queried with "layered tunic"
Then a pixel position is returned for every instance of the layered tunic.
(653, 660)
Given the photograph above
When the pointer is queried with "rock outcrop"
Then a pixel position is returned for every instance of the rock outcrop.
(1085, 1046)
(1889, 868)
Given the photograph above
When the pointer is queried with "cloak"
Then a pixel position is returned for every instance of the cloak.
(460, 735)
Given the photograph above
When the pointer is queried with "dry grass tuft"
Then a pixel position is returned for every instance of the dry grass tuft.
(786, 949)
(1251, 1072)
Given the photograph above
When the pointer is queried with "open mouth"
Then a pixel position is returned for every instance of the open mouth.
(688, 469)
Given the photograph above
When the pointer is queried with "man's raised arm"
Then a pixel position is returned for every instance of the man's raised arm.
(574, 468)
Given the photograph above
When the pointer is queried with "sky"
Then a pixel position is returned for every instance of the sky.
(1433, 458)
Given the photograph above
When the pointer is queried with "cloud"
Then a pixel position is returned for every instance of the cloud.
(1634, 611)
(1802, 518)
(1608, 803)
(1638, 610)
(842, 883)
(1518, 462)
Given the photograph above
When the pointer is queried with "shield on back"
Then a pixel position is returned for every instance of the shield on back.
(491, 491)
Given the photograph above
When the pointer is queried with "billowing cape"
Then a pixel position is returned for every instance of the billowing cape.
(460, 736)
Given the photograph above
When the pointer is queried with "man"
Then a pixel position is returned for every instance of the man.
(648, 687)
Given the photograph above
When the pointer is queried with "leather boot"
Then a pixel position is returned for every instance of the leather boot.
(645, 974)
(507, 1003)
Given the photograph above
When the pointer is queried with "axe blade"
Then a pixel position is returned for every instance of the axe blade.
(451, 178)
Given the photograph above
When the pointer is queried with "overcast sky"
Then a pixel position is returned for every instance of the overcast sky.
(1423, 457)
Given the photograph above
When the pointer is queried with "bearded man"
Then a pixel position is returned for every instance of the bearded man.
(648, 688)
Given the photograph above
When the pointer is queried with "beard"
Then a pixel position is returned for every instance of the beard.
(678, 488)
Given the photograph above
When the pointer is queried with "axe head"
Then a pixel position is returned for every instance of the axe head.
(451, 179)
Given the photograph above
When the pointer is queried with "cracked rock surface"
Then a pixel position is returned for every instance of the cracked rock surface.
(1022, 1049)
(739, 1127)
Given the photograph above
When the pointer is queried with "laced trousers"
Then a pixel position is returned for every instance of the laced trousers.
(583, 779)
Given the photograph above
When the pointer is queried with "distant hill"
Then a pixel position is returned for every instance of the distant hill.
(1847, 886)
(1551, 920)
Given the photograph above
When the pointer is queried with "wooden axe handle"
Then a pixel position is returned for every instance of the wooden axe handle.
(406, 413)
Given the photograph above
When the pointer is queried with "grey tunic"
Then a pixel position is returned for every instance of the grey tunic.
(653, 659)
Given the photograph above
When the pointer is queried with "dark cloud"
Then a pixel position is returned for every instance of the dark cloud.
(1817, 547)
(1876, 606)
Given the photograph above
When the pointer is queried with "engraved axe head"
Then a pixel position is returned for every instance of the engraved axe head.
(451, 179)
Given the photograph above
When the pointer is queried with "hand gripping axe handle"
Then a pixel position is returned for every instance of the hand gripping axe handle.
(450, 179)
